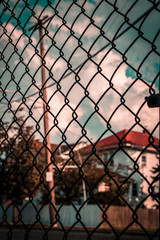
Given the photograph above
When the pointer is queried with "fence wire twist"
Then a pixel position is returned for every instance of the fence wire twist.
(72, 74)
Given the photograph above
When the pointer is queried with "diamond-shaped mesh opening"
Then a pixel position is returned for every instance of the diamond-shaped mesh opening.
(79, 118)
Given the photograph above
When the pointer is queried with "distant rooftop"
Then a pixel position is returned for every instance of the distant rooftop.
(142, 139)
(125, 136)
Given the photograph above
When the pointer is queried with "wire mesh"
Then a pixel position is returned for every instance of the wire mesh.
(75, 127)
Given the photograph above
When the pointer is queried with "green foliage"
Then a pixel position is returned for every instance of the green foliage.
(155, 185)
(113, 181)
(108, 198)
(21, 164)
(68, 187)
(69, 182)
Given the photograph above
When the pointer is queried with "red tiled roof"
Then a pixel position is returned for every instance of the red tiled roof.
(132, 137)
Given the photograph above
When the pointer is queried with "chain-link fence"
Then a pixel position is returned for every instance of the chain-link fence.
(79, 122)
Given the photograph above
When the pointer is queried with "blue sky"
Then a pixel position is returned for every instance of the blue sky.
(119, 65)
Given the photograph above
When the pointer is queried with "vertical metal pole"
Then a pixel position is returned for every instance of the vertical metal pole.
(83, 182)
(46, 131)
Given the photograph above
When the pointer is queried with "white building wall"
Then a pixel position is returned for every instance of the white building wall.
(126, 166)
(151, 161)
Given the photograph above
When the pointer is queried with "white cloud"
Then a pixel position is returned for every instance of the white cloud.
(96, 84)
(113, 72)
(20, 41)
(134, 96)
(61, 113)
(15, 35)
(81, 26)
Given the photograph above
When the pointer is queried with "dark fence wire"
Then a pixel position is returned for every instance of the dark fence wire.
(12, 14)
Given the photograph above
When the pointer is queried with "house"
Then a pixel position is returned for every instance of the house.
(133, 155)
(129, 153)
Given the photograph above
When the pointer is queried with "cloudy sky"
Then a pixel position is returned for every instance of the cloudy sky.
(102, 60)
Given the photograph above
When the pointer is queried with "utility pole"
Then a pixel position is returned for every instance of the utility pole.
(48, 155)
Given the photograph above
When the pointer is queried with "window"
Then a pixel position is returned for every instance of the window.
(152, 189)
(106, 156)
(112, 162)
(111, 154)
(153, 192)
(143, 161)
(134, 190)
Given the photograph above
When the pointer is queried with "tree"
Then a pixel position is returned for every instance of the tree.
(21, 163)
(155, 187)
(69, 186)
(113, 182)
(99, 170)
